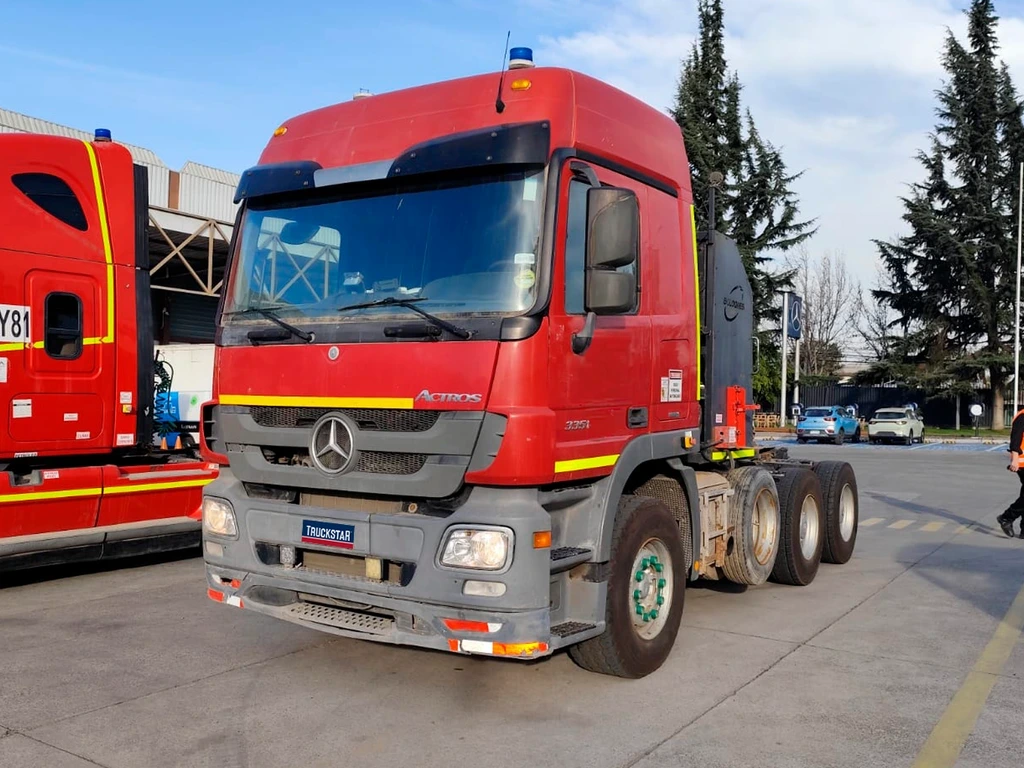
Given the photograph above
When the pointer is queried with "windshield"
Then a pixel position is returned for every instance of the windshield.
(890, 415)
(818, 412)
(463, 247)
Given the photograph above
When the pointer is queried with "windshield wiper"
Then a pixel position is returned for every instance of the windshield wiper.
(410, 303)
(270, 314)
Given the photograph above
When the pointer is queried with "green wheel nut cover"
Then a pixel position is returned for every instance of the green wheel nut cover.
(639, 575)
(659, 567)
(654, 613)
(661, 583)
(639, 610)
(661, 600)
(636, 594)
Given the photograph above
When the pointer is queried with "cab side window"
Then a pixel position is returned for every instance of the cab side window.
(576, 251)
(53, 195)
(576, 248)
(63, 320)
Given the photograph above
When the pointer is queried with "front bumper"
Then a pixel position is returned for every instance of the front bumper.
(410, 608)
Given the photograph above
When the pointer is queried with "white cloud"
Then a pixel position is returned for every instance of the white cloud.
(845, 88)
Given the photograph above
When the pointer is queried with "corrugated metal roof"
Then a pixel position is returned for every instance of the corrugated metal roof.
(213, 174)
(15, 122)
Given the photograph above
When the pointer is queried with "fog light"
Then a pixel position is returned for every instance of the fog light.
(214, 549)
(484, 550)
(287, 555)
(218, 517)
(483, 588)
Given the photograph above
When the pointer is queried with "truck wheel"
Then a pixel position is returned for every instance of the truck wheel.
(802, 529)
(754, 520)
(842, 509)
(646, 587)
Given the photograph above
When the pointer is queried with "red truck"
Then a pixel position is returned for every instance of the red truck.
(483, 387)
(79, 478)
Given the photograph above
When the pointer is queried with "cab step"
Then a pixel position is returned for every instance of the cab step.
(570, 628)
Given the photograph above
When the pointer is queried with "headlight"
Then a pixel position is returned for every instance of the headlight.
(481, 550)
(218, 517)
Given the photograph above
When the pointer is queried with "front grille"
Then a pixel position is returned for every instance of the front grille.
(367, 419)
(381, 463)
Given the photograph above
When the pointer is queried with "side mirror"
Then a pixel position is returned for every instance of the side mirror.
(613, 241)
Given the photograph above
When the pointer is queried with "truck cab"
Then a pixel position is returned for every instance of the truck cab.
(76, 357)
(459, 376)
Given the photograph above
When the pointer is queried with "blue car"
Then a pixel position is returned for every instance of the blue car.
(831, 423)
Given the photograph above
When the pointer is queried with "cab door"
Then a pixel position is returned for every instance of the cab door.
(601, 395)
(62, 405)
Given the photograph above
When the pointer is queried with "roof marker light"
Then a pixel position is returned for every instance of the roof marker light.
(521, 84)
(102, 134)
(281, 130)
(520, 58)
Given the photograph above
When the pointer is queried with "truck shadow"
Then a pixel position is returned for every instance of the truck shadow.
(42, 574)
(987, 577)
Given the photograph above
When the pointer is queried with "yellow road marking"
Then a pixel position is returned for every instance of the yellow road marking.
(594, 462)
(947, 739)
(932, 527)
(961, 529)
(901, 524)
(318, 402)
(871, 521)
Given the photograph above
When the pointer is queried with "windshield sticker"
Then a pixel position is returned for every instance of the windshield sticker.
(14, 323)
(525, 258)
(525, 279)
(530, 186)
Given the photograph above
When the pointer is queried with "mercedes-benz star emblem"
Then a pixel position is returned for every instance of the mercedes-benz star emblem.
(331, 445)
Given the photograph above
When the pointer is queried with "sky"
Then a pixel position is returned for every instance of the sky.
(845, 89)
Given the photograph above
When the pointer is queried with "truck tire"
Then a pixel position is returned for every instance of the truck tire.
(754, 519)
(842, 510)
(642, 614)
(802, 529)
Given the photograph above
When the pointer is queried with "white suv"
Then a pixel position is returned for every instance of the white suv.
(892, 425)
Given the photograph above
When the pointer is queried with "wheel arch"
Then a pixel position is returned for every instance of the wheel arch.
(643, 458)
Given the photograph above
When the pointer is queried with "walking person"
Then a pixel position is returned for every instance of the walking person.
(1016, 509)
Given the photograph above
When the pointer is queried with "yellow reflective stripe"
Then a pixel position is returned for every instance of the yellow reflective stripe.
(696, 289)
(108, 252)
(12, 347)
(318, 402)
(75, 493)
(574, 465)
(42, 495)
(742, 453)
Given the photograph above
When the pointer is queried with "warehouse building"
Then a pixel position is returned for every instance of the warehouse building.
(191, 216)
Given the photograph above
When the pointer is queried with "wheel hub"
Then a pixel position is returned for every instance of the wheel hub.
(651, 588)
(809, 530)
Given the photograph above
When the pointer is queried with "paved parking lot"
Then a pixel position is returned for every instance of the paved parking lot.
(893, 653)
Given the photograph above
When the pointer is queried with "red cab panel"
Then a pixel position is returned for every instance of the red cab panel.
(55, 500)
(134, 494)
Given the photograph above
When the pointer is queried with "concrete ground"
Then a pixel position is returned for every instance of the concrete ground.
(135, 667)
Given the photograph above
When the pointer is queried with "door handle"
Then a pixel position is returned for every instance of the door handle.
(636, 418)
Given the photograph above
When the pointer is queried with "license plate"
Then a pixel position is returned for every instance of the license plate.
(338, 535)
(815, 431)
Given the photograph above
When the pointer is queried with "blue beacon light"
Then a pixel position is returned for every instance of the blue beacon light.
(520, 58)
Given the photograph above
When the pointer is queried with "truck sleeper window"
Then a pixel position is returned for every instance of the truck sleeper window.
(468, 245)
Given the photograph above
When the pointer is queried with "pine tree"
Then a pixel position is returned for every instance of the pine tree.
(756, 206)
(953, 275)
